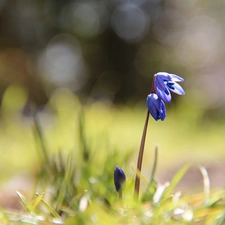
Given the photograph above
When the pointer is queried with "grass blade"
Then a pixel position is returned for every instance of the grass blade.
(50, 209)
(152, 185)
(40, 143)
(23, 201)
(138, 173)
(206, 183)
(155, 163)
(33, 204)
(176, 179)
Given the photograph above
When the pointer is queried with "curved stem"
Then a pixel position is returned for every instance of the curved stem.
(140, 157)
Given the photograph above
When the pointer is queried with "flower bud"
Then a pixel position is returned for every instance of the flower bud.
(119, 179)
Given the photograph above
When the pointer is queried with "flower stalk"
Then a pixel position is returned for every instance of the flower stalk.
(162, 84)
(140, 157)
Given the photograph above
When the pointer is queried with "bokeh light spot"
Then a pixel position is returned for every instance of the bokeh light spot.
(62, 64)
(130, 22)
(84, 19)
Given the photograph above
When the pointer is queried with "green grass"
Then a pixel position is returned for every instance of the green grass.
(72, 151)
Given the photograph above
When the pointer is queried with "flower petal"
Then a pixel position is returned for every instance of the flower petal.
(176, 88)
(156, 102)
(163, 75)
(159, 83)
(163, 111)
(156, 107)
(176, 78)
(164, 95)
(151, 102)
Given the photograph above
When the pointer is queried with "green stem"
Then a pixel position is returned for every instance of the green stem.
(120, 194)
(140, 157)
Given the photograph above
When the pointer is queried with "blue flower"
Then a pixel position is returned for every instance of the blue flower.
(119, 178)
(166, 82)
(156, 107)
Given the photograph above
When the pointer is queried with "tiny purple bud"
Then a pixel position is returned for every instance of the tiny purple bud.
(119, 178)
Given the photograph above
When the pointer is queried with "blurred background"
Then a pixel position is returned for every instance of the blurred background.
(57, 56)
(111, 49)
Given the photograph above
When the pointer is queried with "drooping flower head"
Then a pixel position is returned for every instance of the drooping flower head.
(156, 107)
(119, 179)
(166, 82)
